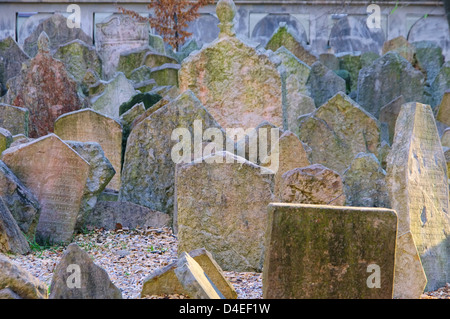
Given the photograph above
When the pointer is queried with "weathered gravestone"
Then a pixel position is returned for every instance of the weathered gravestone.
(79, 57)
(149, 163)
(337, 131)
(443, 113)
(22, 204)
(282, 37)
(57, 176)
(132, 59)
(365, 182)
(58, 31)
(45, 89)
(351, 62)
(14, 119)
(329, 252)
(17, 282)
(5, 139)
(239, 86)
(87, 125)
(403, 48)
(440, 85)
(387, 78)
(220, 205)
(445, 138)
(12, 57)
(313, 184)
(11, 238)
(418, 189)
(111, 94)
(429, 55)
(78, 277)
(116, 34)
(324, 83)
(389, 113)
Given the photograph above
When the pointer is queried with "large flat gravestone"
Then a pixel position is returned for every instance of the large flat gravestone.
(220, 205)
(56, 175)
(239, 86)
(88, 125)
(116, 34)
(329, 252)
(337, 131)
(14, 119)
(418, 189)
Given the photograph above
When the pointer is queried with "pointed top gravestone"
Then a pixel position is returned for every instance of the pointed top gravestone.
(239, 86)
(324, 83)
(57, 176)
(418, 189)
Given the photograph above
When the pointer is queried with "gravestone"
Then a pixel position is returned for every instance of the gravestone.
(19, 200)
(87, 125)
(19, 281)
(313, 184)
(329, 252)
(12, 57)
(14, 119)
(220, 205)
(351, 62)
(337, 131)
(440, 85)
(57, 176)
(418, 189)
(149, 168)
(166, 74)
(430, 57)
(56, 28)
(445, 139)
(387, 78)
(365, 182)
(389, 114)
(403, 48)
(211, 74)
(443, 113)
(11, 238)
(79, 57)
(112, 94)
(132, 59)
(45, 89)
(324, 83)
(282, 37)
(78, 277)
(329, 60)
(154, 59)
(5, 139)
(116, 34)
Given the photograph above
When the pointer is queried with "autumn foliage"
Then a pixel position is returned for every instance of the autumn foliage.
(171, 18)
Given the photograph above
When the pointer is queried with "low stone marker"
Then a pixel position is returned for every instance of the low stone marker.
(329, 252)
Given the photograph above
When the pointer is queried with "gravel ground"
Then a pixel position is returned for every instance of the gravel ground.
(129, 256)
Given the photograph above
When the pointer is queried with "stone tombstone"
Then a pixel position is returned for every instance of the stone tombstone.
(409, 279)
(20, 282)
(418, 189)
(389, 113)
(149, 167)
(440, 85)
(329, 252)
(330, 60)
(166, 74)
(282, 37)
(238, 85)
(337, 131)
(79, 57)
(111, 94)
(5, 139)
(220, 205)
(365, 182)
(14, 119)
(45, 89)
(351, 62)
(59, 33)
(445, 139)
(87, 125)
(116, 34)
(132, 59)
(429, 55)
(313, 184)
(387, 78)
(443, 113)
(57, 176)
(402, 47)
(324, 83)
(12, 239)
(21, 203)
(12, 57)
(78, 277)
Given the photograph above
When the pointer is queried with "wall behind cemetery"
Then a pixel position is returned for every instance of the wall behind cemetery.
(313, 21)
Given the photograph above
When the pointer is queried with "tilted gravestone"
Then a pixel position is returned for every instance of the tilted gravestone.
(337, 131)
(12, 239)
(87, 125)
(329, 252)
(440, 85)
(443, 113)
(239, 86)
(14, 119)
(45, 89)
(389, 113)
(220, 205)
(418, 189)
(12, 57)
(57, 176)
